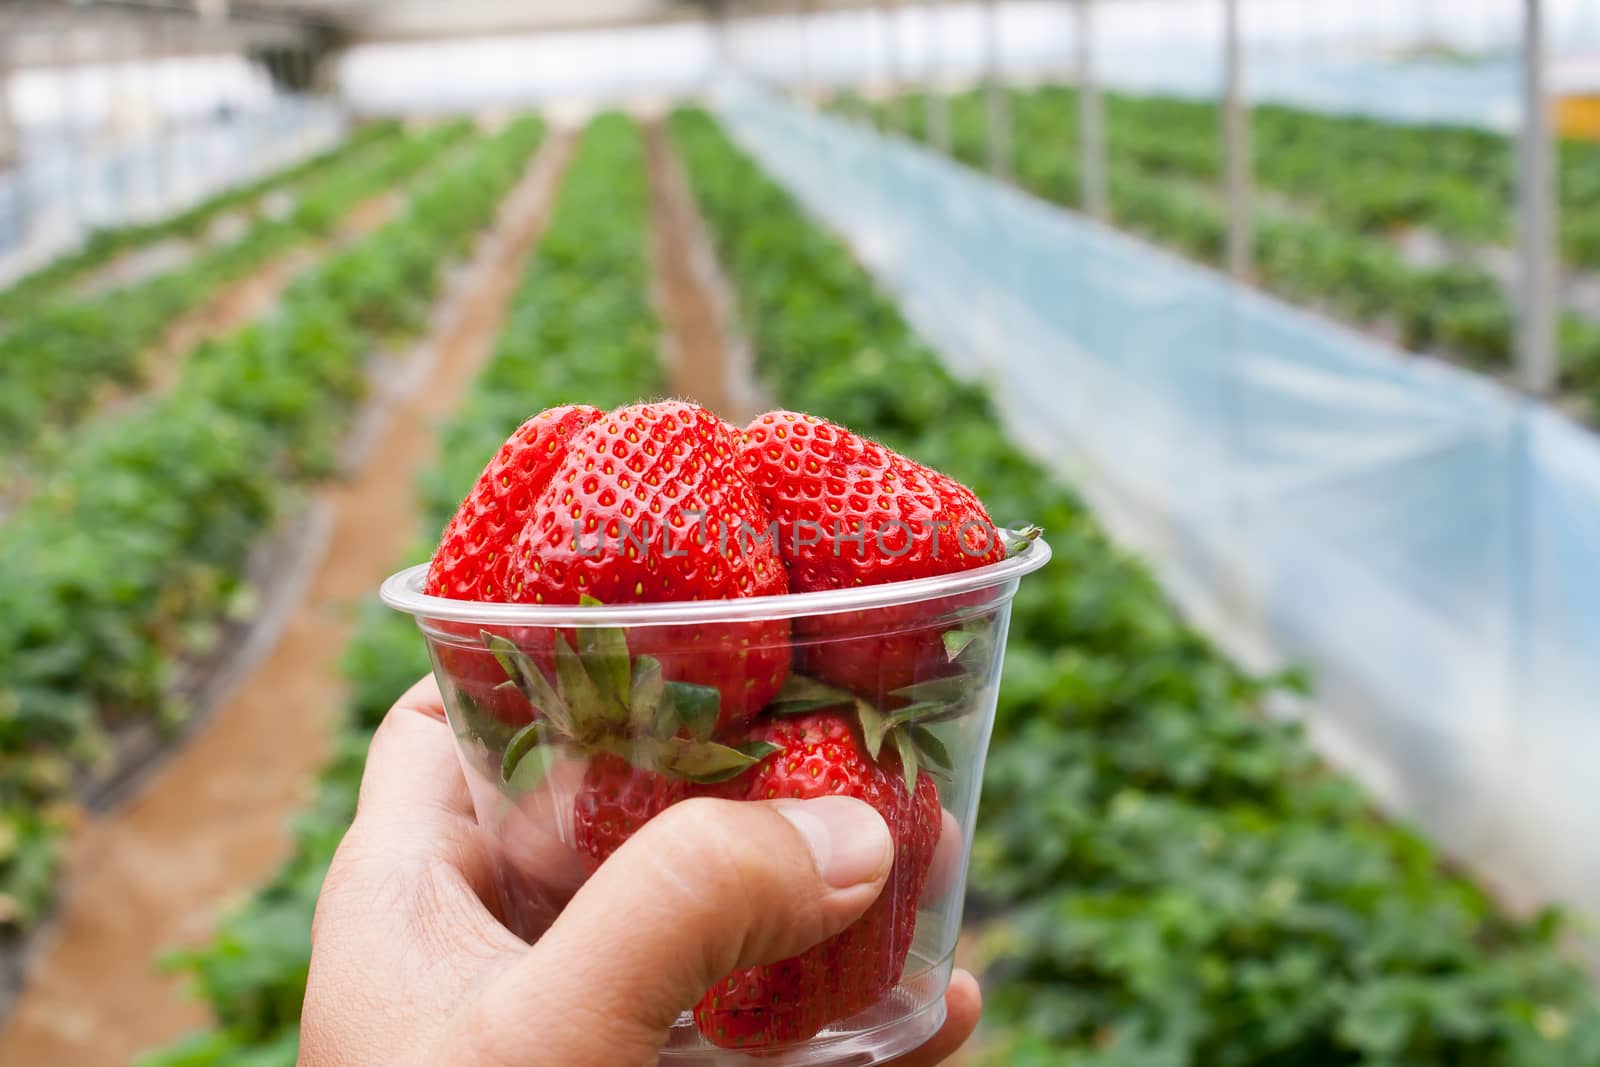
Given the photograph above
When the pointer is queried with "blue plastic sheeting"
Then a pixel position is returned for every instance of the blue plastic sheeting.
(1426, 541)
(63, 192)
(1484, 93)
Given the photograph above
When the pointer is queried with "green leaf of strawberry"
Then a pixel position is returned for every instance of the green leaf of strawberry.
(955, 641)
(579, 691)
(801, 694)
(943, 699)
(874, 727)
(527, 677)
(931, 750)
(604, 652)
(707, 762)
(950, 689)
(909, 761)
(697, 707)
(646, 708)
(604, 703)
(522, 742)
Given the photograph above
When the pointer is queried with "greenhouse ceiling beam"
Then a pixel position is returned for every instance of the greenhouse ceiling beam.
(403, 21)
(57, 35)
(217, 12)
(399, 21)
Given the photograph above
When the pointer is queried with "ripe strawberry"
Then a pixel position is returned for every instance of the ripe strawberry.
(820, 753)
(649, 505)
(475, 550)
(616, 799)
(851, 512)
(646, 739)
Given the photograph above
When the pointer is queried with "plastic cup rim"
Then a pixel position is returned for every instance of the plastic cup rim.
(402, 591)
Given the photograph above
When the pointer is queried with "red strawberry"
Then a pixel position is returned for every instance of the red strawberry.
(616, 799)
(821, 754)
(648, 505)
(475, 550)
(827, 487)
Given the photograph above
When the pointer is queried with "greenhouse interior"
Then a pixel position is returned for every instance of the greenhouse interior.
(1279, 318)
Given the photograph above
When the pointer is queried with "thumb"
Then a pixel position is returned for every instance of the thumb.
(705, 888)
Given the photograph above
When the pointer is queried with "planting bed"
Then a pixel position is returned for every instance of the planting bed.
(1165, 873)
(131, 565)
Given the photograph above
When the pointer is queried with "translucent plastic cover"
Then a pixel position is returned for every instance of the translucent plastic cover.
(1427, 541)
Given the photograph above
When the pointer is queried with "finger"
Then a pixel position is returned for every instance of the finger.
(412, 771)
(414, 809)
(963, 1004)
(704, 889)
(403, 897)
(945, 872)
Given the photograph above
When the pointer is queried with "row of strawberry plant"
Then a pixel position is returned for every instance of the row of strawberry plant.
(1171, 877)
(105, 245)
(1369, 175)
(1363, 173)
(580, 330)
(119, 571)
(1155, 189)
(57, 356)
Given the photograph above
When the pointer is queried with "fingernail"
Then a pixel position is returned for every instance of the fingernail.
(849, 841)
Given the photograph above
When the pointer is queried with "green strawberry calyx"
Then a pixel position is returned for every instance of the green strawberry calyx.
(1021, 538)
(929, 702)
(604, 700)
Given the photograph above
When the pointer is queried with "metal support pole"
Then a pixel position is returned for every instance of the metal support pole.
(76, 147)
(1236, 134)
(805, 82)
(8, 128)
(935, 104)
(893, 120)
(1536, 209)
(1091, 118)
(722, 40)
(997, 111)
(13, 181)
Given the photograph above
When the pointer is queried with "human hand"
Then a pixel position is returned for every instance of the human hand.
(409, 965)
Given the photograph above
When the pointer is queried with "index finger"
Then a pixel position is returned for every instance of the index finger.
(412, 774)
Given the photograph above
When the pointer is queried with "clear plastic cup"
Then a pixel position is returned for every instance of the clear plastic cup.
(557, 708)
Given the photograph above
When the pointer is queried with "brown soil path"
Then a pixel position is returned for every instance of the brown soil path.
(226, 311)
(211, 824)
(251, 297)
(702, 354)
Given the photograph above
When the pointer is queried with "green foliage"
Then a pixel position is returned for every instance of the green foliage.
(1338, 189)
(56, 354)
(120, 567)
(581, 329)
(1174, 878)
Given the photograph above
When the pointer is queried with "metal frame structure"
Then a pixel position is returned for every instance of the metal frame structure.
(288, 36)
(1537, 357)
(1538, 311)
(1091, 118)
(1236, 140)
